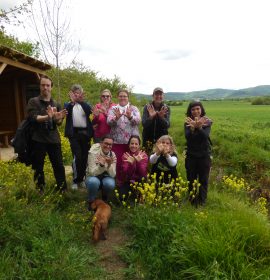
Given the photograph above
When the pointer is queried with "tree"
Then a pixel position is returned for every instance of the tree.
(12, 15)
(31, 49)
(53, 31)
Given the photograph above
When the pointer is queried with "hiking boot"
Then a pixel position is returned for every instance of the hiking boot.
(82, 185)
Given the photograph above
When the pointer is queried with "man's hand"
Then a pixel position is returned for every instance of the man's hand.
(162, 112)
(117, 113)
(151, 111)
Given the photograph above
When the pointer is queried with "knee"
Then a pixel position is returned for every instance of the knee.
(108, 184)
(92, 183)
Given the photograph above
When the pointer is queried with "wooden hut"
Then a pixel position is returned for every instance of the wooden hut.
(19, 81)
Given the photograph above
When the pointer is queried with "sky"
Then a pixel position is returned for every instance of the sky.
(179, 45)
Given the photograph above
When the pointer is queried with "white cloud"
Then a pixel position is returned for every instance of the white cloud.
(176, 44)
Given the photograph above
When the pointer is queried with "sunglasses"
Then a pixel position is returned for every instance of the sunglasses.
(105, 96)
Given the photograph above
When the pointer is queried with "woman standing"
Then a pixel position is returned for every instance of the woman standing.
(101, 128)
(198, 161)
(164, 160)
(123, 119)
(134, 165)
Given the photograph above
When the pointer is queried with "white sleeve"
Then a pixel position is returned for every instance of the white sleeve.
(172, 160)
(153, 158)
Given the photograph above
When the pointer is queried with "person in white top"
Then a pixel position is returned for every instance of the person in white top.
(79, 131)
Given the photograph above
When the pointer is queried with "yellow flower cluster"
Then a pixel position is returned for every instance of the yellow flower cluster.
(195, 190)
(153, 191)
(261, 205)
(66, 151)
(201, 215)
(235, 184)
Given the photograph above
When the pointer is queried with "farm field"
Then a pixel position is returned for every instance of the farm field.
(48, 237)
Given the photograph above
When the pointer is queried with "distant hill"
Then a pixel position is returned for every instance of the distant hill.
(211, 94)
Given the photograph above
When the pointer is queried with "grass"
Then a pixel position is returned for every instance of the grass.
(48, 237)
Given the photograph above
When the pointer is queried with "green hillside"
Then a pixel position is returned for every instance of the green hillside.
(212, 94)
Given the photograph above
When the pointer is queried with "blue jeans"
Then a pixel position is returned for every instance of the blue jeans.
(93, 184)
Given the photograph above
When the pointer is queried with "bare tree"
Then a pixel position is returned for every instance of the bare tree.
(54, 34)
(12, 15)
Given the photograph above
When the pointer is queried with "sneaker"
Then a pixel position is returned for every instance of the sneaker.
(74, 186)
(82, 185)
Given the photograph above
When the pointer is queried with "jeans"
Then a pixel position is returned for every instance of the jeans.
(93, 184)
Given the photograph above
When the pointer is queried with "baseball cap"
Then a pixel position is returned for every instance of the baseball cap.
(158, 89)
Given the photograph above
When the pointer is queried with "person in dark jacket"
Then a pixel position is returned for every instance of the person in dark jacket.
(155, 120)
(46, 114)
(79, 131)
(198, 154)
(164, 160)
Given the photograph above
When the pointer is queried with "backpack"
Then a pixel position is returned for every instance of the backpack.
(22, 141)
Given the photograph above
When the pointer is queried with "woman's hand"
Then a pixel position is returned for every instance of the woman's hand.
(140, 156)
(129, 158)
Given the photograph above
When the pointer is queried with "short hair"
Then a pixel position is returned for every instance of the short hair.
(123, 90)
(193, 104)
(136, 137)
(106, 137)
(45, 77)
(76, 87)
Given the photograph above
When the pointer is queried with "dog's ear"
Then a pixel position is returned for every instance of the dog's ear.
(93, 205)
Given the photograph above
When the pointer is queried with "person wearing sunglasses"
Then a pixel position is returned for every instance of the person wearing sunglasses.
(100, 112)
(101, 169)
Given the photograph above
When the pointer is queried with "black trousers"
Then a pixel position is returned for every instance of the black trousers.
(54, 152)
(80, 146)
(198, 169)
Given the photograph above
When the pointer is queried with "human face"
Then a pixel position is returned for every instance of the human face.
(123, 98)
(196, 111)
(166, 143)
(106, 145)
(78, 95)
(134, 145)
(105, 97)
(158, 97)
(45, 88)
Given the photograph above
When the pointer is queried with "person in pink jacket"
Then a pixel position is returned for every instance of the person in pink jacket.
(134, 165)
(100, 112)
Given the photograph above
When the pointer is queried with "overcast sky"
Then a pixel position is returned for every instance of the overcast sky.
(179, 45)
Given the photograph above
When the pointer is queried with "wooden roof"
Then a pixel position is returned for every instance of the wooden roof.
(15, 58)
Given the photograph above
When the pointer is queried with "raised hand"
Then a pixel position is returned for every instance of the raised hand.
(72, 97)
(140, 156)
(162, 112)
(100, 160)
(117, 113)
(59, 115)
(151, 111)
(128, 113)
(96, 111)
(50, 111)
(159, 148)
(129, 158)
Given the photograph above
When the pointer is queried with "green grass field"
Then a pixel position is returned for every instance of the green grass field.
(48, 237)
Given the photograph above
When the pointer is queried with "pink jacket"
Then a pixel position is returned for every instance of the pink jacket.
(100, 123)
(133, 172)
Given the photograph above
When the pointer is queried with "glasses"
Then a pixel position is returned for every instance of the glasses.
(123, 96)
(107, 144)
(105, 96)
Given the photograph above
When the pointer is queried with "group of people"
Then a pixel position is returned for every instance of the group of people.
(116, 157)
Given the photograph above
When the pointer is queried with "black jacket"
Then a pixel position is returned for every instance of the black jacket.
(198, 141)
(156, 127)
(69, 129)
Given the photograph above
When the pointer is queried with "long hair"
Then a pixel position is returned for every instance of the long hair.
(193, 104)
(166, 137)
(136, 137)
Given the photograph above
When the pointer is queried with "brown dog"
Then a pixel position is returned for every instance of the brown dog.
(100, 219)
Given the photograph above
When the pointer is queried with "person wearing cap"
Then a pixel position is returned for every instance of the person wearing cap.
(155, 119)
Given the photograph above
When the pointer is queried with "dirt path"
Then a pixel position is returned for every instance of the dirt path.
(109, 257)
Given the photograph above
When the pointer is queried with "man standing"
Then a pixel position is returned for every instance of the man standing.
(46, 114)
(101, 168)
(155, 120)
(79, 131)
